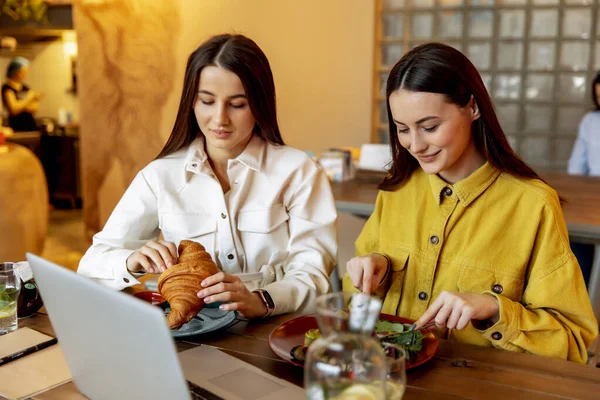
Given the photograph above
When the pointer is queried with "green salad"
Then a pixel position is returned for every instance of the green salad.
(401, 335)
(385, 331)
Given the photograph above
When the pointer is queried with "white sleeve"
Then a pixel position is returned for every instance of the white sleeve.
(133, 222)
(312, 246)
(578, 163)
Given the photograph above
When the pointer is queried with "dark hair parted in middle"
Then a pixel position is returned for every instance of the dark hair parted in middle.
(243, 57)
(438, 68)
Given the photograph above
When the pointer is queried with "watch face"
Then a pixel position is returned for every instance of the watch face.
(268, 299)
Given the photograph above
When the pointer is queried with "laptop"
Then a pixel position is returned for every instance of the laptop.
(119, 347)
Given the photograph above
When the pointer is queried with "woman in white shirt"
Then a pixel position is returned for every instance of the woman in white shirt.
(264, 211)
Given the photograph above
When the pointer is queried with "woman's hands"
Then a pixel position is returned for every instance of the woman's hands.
(157, 256)
(450, 310)
(153, 257)
(32, 96)
(455, 310)
(230, 290)
(367, 271)
(35, 96)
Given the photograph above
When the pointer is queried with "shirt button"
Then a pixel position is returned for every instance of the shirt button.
(497, 288)
(194, 165)
(212, 176)
(434, 240)
(125, 280)
(496, 336)
(447, 192)
(423, 296)
(230, 257)
(223, 216)
(235, 182)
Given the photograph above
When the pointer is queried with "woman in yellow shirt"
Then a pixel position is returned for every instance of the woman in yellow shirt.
(464, 232)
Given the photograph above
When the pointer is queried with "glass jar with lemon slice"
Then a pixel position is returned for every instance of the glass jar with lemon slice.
(346, 362)
(395, 383)
(10, 284)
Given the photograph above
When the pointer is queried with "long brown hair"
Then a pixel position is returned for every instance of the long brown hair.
(438, 68)
(243, 57)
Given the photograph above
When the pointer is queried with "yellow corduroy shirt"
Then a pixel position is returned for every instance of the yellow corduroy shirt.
(488, 233)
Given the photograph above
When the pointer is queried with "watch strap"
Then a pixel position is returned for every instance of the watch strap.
(265, 297)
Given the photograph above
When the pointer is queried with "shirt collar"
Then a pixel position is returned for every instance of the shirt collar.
(196, 156)
(252, 156)
(467, 189)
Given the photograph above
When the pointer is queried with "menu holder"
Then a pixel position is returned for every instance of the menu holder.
(32, 374)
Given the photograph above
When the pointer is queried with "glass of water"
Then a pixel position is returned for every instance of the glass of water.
(395, 384)
(10, 285)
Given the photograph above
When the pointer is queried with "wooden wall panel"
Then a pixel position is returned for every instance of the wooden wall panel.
(126, 71)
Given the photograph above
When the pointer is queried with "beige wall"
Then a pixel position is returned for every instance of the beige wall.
(49, 73)
(321, 53)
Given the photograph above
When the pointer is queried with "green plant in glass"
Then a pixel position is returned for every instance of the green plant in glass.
(10, 284)
(8, 301)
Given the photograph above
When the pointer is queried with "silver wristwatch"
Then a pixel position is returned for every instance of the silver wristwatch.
(267, 300)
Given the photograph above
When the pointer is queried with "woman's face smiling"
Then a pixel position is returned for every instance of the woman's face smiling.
(437, 133)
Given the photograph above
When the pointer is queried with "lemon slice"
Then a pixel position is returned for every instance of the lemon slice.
(394, 391)
(8, 309)
(361, 392)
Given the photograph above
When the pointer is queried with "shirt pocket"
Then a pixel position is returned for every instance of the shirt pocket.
(398, 273)
(263, 232)
(262, 221)
(185, 225)
(477, 280)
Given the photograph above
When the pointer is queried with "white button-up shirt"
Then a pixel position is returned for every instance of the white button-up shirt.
(585, 157)
(275, 226)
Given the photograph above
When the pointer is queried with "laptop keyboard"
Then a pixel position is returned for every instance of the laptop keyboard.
(199, 393)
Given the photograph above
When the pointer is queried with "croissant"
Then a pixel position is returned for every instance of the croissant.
(180, 283)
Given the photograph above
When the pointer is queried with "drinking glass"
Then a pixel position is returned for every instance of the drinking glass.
(345, 362)
(10, 285)
(395, 384)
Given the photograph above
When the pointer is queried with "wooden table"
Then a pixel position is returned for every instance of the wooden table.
(581, 211)
(457, 372)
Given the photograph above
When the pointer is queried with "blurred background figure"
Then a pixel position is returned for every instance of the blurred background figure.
(585, 160)
(20, 102)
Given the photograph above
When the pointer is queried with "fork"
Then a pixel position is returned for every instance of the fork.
(386, 335)
(430, 324)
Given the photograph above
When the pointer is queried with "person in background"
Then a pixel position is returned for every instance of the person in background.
(264, 211)
(20, 102)
(464, 232)
(585, 157)
(585, 160)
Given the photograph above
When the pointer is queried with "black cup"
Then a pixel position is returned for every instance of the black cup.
(30, 300)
